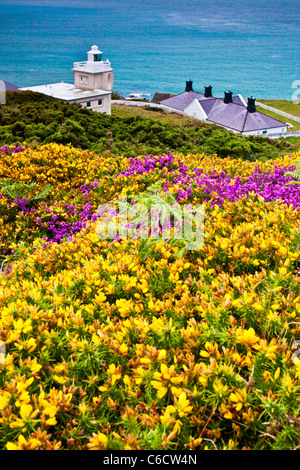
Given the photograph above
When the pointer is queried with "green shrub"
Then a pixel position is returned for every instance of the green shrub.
(29, 116)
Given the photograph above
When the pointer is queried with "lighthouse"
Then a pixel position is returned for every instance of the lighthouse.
(93, 82)
(94, 73)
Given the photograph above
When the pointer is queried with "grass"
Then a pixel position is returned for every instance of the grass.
(283, 105)
(122, 111)
(281, 118)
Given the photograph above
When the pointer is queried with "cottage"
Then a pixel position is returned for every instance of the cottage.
(93, 82)
(231, 112)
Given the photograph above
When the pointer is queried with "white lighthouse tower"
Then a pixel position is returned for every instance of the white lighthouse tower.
(94, 73)
(93, 82)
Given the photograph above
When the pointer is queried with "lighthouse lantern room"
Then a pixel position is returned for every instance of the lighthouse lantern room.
(94, 55)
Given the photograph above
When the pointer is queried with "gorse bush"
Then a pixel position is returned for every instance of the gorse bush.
(114, 345)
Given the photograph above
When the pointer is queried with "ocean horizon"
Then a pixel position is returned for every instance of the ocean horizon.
(249, 49)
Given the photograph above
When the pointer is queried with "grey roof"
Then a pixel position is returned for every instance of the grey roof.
(255, 121)
(237, 100)
(6, 86)
(229, 115)
(182, 100)
(208, 104)
(233, 115)
(66, 91)
(238, 118)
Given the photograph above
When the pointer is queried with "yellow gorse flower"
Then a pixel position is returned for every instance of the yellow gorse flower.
(182, 406)
(238, 398)
(248, 338)
(89, 325)
(211, 350)
(114, 372)
(220, 388)
(98, 441)
(27, 413)
(124, 306)
(23, 444)
(166, 379)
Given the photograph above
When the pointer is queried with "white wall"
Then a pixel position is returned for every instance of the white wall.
(272, 131)
(195, 110)
(101, 81)
(104, 108)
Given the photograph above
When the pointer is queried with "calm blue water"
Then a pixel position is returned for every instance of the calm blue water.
(252, 48)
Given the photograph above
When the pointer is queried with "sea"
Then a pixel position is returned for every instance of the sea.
(250, 47)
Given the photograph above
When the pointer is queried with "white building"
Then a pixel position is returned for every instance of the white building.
(93, 82)
(231, 112)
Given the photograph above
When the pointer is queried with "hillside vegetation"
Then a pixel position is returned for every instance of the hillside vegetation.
(128, 342)
(33, 117)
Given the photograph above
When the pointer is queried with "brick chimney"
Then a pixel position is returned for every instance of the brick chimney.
(228, 97)
(189, 86)
(251, 105)
(208, 91)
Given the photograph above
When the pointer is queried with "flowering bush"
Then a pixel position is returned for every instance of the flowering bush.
(108, 349)
(12, 149)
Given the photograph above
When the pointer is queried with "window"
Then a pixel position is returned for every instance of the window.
(99, 102)
(88, 104)
(265, 132)
(86, 80)
(81, 79)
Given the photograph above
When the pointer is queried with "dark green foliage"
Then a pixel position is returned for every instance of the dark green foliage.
(115, 95)
(13, 190)
(295, 173)
(33, 117)
(154, 108)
